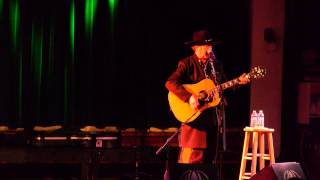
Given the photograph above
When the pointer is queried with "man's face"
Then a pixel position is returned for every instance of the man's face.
(202, 51)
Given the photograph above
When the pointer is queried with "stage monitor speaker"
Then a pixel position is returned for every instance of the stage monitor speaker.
(281, 171)
(193, 172)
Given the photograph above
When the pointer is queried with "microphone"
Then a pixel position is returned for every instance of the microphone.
(212, 57)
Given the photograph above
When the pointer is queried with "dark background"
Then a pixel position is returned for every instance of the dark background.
(118, 72)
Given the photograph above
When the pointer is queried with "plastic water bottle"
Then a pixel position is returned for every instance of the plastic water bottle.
(261, 118)
(254, 119)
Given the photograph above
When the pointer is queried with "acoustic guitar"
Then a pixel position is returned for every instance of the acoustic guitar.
(209, 95)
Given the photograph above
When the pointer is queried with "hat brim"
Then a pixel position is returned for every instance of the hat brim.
(204, 42)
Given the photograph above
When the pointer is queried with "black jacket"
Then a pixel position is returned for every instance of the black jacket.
(189, 71)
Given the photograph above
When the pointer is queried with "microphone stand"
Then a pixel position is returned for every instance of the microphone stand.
(220, 113)
(221, 134)
(166, 144)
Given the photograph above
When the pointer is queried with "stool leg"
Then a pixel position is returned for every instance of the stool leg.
(254, 153)
(271, 149)
(261, 150)
(244, 154)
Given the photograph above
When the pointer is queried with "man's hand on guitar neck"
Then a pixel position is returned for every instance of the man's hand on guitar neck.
(193, 102)
(244, 79)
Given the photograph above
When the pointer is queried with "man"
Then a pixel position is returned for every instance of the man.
(197, 137)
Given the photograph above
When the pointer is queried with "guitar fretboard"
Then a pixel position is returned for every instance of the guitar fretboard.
(256, 72)
(229, 83)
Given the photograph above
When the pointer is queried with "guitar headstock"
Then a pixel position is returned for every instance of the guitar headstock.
(257, 72)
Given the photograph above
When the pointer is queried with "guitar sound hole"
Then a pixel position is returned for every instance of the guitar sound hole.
(204, 97)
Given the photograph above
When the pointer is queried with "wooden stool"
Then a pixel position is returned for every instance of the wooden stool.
(257, 133)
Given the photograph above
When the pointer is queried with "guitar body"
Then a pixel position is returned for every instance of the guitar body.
(208, 93)
(183, 111)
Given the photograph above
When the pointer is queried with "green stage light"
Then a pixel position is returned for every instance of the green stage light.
(14, 21)
(1, 8)
(72, 28)
(90, 11)
(113, 5)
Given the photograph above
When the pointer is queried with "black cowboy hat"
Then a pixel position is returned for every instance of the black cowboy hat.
(201, 37)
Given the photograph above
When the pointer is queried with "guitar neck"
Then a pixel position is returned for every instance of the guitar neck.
(229, 84)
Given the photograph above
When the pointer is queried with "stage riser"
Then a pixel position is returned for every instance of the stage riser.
(79, 155)
(39, 171)
(69, 162)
